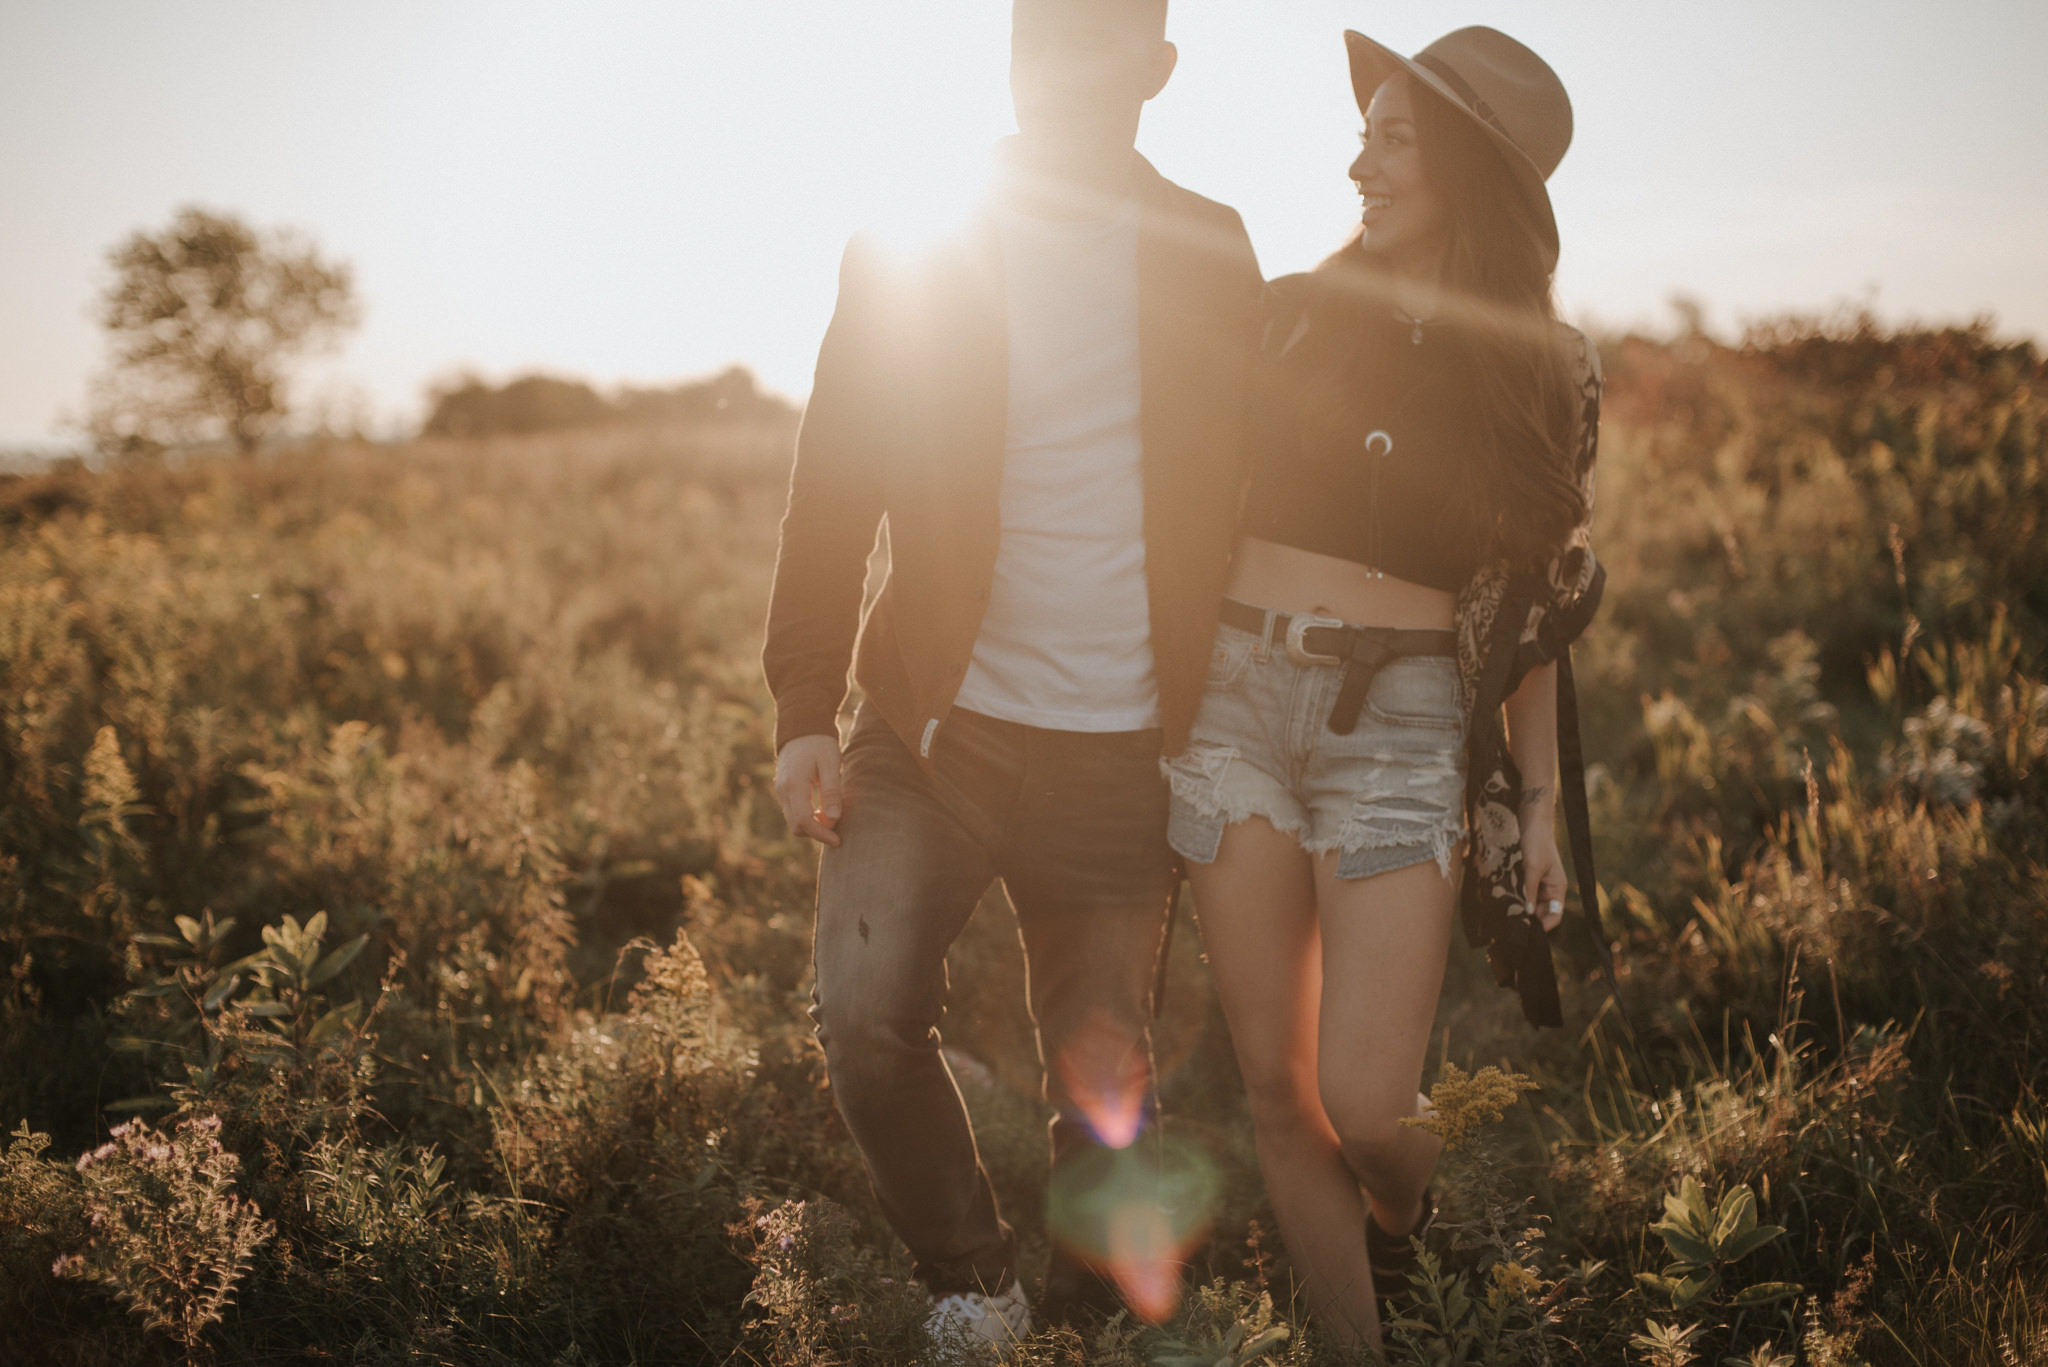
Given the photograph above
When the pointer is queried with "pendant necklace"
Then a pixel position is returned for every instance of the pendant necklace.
(1414, 336)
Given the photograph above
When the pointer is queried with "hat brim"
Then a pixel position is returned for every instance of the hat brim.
(1372, 63)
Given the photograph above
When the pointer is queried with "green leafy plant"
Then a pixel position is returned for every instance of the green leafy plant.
(1230, 1327)
(277, 987)
(284, 975)
(1666, 1345)
(1705, 1240)
(1496, 1319)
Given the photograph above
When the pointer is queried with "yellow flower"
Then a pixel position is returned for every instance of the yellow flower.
(1514, 1279)
(1461, 1106)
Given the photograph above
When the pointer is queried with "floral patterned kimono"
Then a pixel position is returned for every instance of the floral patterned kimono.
(1507, 625)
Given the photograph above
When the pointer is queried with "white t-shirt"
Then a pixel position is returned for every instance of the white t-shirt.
(1066, 642)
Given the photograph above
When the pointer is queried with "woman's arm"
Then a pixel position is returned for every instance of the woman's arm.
(1532, 740)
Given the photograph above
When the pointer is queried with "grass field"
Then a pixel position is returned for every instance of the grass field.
(385, 844)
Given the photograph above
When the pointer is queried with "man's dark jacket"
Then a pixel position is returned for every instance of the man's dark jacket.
(907, 420)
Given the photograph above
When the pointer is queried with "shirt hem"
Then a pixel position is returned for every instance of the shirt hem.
(1092, 723)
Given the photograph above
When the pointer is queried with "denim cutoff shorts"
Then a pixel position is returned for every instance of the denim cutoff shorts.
(1390, 794)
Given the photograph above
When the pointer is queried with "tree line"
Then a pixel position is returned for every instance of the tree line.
(209, 319)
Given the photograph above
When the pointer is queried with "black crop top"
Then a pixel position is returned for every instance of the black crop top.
(1373, 471)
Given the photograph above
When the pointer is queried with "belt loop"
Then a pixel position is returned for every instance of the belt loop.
(1266, 634)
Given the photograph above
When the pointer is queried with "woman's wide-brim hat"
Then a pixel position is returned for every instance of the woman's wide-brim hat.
(1510, 92)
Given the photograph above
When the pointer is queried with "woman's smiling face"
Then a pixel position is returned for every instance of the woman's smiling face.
(1405, 218)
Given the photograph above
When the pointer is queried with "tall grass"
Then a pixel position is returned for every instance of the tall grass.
(404, 810)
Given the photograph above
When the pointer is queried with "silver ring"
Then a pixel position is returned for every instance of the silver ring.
(1554, 907)
(1378, 444)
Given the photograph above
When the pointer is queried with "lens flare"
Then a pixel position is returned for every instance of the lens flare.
(1107, 1078)
(1144, 1261)
(1134, 1214)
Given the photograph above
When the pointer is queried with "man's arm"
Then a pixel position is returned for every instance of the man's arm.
(835, 503)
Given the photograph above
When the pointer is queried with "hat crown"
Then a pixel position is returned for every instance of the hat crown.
(1508, 87)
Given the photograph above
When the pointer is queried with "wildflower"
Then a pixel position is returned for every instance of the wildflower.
(1461, 1105)
(172, 1242)
(110, 790)
(1511, 1282)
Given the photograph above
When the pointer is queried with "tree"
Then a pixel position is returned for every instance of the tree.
(204, 320)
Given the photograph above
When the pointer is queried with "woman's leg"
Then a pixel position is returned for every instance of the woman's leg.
(1384, 940)
(1257, 908)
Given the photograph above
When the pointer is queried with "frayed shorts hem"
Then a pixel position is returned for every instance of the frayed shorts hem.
(1385, 794)
(1195, 826)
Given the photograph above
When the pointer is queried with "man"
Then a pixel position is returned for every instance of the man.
(1045, 409)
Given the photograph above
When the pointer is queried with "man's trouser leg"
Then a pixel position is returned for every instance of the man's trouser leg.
(1086, 866)
(912, 863)
(1076, 824)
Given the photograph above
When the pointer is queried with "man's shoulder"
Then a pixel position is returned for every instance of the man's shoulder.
(1176, 200)
(896, 249)
(1184, 200)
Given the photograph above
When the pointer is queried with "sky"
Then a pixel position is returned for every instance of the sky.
(645, 190)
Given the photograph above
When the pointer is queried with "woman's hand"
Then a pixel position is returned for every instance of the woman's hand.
(1543, 876)
(1532, 741)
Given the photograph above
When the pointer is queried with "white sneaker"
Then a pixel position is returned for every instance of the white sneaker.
(975, 1320)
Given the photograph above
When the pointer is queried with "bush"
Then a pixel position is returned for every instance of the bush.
(542, 403)
(167, 1234)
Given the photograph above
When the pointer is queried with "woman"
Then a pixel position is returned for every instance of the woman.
(1412, 560)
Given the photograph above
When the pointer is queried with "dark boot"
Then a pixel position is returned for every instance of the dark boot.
(1392, 1256)
(1076, 1295)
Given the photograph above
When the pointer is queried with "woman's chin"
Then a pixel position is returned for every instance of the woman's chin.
(1377, 239)
(1397, 250)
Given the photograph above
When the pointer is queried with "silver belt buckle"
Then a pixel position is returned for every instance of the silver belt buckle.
(1297, 627)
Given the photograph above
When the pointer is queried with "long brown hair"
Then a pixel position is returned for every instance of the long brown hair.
(1497, 312)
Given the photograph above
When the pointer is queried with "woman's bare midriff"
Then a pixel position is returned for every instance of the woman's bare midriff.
(1289, 579)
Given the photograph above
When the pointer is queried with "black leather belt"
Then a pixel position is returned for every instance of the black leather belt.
(1359, 651)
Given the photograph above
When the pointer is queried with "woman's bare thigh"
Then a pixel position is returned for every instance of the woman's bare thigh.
(1256, 904)
(1384, 942)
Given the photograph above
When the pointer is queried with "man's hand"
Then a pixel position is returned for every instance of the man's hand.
(807, 786)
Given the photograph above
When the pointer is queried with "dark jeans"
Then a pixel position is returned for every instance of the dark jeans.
(1075, 826)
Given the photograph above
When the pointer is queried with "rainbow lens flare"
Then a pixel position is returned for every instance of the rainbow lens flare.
(1107, 1079)
(1134, 1214)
